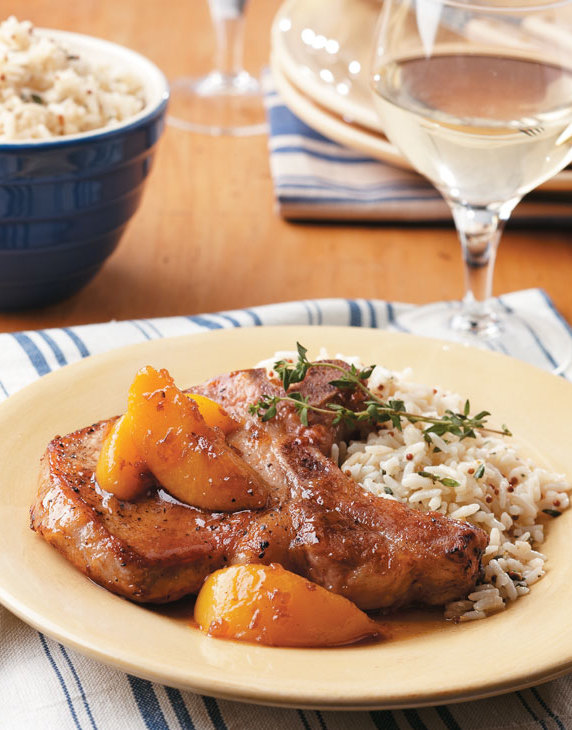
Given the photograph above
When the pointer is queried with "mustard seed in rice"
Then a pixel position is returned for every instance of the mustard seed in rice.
(47, 90)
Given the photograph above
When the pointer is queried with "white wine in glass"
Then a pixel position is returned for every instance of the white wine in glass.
(477, 94)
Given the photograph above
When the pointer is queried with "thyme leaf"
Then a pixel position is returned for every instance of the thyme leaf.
(36, 98)
(445, 481)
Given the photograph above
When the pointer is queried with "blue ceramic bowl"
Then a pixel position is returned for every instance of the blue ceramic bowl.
(65, 202)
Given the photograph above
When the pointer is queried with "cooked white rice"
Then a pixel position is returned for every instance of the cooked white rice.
(49, 91)
(508, 501)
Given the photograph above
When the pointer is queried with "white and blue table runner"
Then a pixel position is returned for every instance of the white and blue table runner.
(43, 684)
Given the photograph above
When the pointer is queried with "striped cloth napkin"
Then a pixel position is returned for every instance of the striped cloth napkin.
(44, 685)
(318, 179)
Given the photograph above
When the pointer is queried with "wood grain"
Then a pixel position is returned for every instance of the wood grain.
(207, 236)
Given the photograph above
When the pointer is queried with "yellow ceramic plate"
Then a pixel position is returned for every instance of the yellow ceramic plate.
(435, 663)
(327, 61)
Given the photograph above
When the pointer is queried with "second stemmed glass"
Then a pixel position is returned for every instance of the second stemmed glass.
(228, 100)
(477, 94)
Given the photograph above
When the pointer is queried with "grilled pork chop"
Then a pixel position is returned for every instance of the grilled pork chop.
(318, 522)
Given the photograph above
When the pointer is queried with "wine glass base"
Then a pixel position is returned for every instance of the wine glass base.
(218, 104)
(538, 339)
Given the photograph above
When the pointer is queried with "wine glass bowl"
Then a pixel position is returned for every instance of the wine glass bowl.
(478, 96)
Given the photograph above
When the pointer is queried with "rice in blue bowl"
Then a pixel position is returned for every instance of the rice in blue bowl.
(79, 121)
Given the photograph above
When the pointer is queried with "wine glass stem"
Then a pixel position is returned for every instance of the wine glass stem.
(228, 21)
(479, 231)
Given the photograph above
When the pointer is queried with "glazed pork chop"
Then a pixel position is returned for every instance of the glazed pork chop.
(317, 521)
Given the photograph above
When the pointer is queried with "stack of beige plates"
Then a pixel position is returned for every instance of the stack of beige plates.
(321, 52)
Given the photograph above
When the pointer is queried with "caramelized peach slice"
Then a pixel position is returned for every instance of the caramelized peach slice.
(120, 470)
(270, 605)
(214, 414)
(190, 459)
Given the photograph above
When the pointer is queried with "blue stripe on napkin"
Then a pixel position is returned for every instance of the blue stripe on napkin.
(65, 690)
(148, 704)
(178, 705)
(78, 685)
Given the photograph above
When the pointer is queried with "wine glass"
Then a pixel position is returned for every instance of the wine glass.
(477, 94)
(228, 100)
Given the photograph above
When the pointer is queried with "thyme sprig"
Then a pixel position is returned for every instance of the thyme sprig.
(376, 411)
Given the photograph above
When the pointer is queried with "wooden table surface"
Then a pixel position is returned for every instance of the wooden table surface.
(207, 236)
